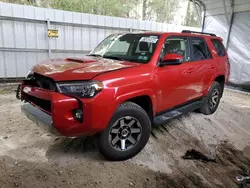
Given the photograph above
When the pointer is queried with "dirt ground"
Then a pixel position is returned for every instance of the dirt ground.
(30, 157)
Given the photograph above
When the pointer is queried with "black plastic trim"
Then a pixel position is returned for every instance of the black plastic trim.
(196, 32)
(18, 92)
(176, 111)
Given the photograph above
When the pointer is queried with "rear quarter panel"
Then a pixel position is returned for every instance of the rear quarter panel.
(221, 62)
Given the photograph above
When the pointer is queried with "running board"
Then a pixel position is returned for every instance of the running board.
(165, 116)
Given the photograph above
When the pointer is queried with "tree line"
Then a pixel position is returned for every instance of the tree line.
(154, 10)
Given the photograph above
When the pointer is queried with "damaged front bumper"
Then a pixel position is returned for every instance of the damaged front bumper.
(41, 118)
(56, 112)
(44, 107)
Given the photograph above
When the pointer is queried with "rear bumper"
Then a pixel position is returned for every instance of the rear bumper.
(41, 118)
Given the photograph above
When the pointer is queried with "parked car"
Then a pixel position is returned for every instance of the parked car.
(128, 83)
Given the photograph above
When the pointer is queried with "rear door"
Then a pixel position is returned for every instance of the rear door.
(200, 68)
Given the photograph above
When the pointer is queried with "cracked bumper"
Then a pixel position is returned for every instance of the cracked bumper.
(39, 117)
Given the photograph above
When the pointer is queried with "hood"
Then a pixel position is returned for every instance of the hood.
(79, 68)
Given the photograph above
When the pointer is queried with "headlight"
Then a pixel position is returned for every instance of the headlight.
(81, 89)
(30, 72)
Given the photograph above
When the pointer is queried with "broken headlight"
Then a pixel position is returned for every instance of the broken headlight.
(82, 89)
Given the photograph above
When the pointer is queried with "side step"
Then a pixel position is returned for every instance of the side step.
(165, 116)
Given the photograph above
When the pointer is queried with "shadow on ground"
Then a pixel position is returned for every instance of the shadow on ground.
(87, 146)
(82, 147)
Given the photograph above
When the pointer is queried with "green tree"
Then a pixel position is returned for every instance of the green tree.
(191, 18)
(144, 9)
(119, 8)
(159, 10)
(25, 2)
(154, 10)
(164, 9)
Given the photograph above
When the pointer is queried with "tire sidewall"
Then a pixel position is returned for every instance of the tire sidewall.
(206, 107)
(137, 112)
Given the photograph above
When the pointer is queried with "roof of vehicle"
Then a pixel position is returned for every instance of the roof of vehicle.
(183, 33)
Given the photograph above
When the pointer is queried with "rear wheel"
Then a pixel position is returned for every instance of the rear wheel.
(212, 100)
(127, 133)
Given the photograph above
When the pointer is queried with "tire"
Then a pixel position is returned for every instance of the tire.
(209, 105)
(129, 120)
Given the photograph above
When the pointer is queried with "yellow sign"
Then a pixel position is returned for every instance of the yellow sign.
(52, 33)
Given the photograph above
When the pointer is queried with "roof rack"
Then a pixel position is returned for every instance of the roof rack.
(188, 31)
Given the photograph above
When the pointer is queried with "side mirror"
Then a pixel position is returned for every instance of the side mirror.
(171, 59)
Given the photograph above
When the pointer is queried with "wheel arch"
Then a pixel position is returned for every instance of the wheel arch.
(145, 102)
(221, 80)
(145, 99)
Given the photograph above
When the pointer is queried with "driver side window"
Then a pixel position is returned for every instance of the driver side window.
(176, 45)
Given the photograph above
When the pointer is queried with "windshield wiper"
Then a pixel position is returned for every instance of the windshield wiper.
(114, 57)
(95, 55)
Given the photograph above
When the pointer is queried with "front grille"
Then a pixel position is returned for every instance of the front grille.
(40, 81)
(42, 103)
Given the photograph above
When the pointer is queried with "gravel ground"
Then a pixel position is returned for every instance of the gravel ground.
(30, 157)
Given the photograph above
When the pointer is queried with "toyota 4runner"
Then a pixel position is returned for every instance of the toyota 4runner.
(125, 85)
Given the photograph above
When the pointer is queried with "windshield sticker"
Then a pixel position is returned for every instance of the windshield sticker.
(150, 39)
(145, 58)
(140, 57)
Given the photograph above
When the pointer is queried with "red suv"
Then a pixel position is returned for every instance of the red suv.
(125, 85)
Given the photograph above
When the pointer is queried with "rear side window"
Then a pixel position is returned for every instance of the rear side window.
(200, 49)
(219, 47)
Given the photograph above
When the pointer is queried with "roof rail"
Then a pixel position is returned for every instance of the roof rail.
(188, 31)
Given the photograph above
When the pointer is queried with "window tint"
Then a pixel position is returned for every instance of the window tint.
(176, 46)
(219, 47)
(200, 49)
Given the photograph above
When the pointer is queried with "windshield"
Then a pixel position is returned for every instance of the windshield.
(129, 47)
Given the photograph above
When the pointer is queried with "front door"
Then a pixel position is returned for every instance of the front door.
(175, 81)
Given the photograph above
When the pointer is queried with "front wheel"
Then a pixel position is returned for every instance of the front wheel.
(212, 99)
(126, 134)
